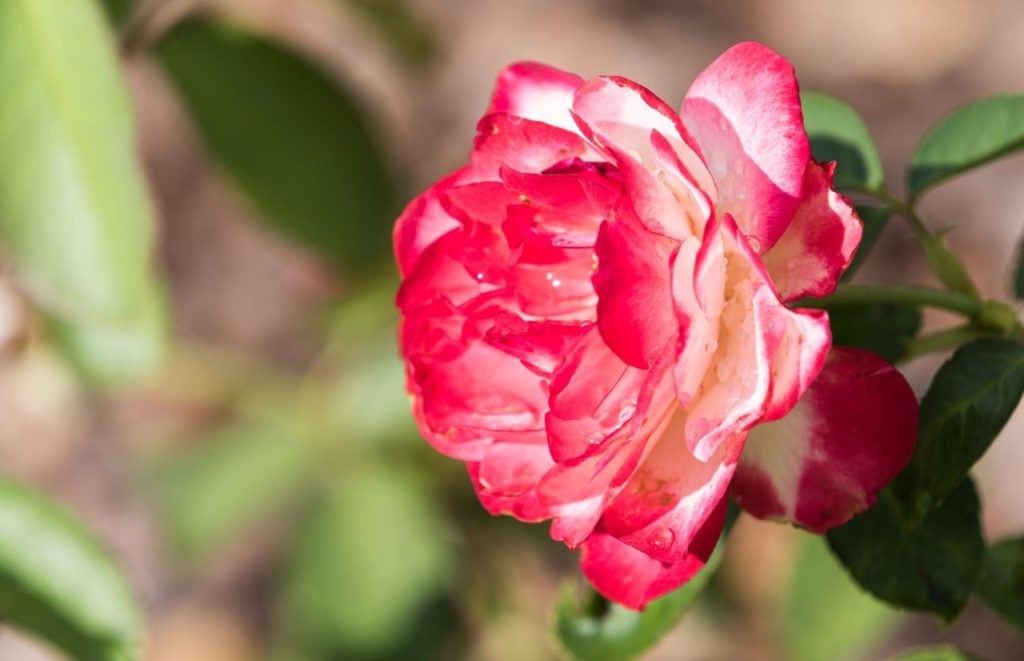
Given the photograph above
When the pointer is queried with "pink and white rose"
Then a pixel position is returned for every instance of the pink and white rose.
(596, 319)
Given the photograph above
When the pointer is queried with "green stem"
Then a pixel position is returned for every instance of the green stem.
(943, 340)
(861, 294)
(900, 207)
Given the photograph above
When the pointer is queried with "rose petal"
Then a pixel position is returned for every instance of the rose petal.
(506, 479)
(523, 145)
(744, 111)
(634, 308)
(632, 578)
(671, 495)
(536, 91)
(819, 243)
(424, 221)
(848, 436)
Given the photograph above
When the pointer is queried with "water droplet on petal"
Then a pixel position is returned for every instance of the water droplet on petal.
(755, 245)
(626, 412)
(663, 539)
(595, 439)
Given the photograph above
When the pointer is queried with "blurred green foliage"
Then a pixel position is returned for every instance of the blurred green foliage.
(293, 139)
(56, 581)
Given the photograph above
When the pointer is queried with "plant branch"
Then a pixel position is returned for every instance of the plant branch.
(861, 294)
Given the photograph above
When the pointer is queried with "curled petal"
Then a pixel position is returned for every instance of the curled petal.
(632, 578)
(819, 243)
(848, 436)
(506, 479)
(671, 495)
(744, 111)
(593, 394)
(540, 345)
(535, 91)
(523, 145)
(634, 308)
(424, 221)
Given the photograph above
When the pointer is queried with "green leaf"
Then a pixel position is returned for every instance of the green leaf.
(874, 220)
(966, 406)
(838, 134)
(56, 581)
(366, 562)
(292, 138)
(879, 327)
(1002, 582)
(944, 653)
(75, 216)
(976, 134)
(120, 353)
(926, 562)
(826, 616)
(603, 631)
(228, 482)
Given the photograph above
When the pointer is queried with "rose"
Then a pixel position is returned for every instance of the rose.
(594, 318)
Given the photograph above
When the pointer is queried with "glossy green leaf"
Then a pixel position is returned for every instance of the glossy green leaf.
(75, 217)
(838, 134)
(603, 631)
(966, 406)
(119, 353)
(926, 562)
(57, 583)
(880, 327)
(943, 653)
(227, 482)
(296, 143)
(874, 220)
(976, 134)
(371, 556)
(1002, 581)
(825, 614)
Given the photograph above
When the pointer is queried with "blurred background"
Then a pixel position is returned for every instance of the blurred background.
(263, 486)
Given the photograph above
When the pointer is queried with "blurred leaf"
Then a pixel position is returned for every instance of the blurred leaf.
(880, 327)
(826, 616)
(1018, 273)
(295, 142)
(116, 354)
(118, 10)
(366, 562)
(228, 482)
(971, 398)
(56, 581)
(976, 134)
(944, 653)
(874, 220)
(74, 213)
(838, 134)
(609, 632)
(1002, 581)
(926, 562)
(406, 32)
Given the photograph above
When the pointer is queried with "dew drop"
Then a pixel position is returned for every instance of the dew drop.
(594, 439)
(626, 412)
(755, 245)
(556, 283)
(663, 539)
